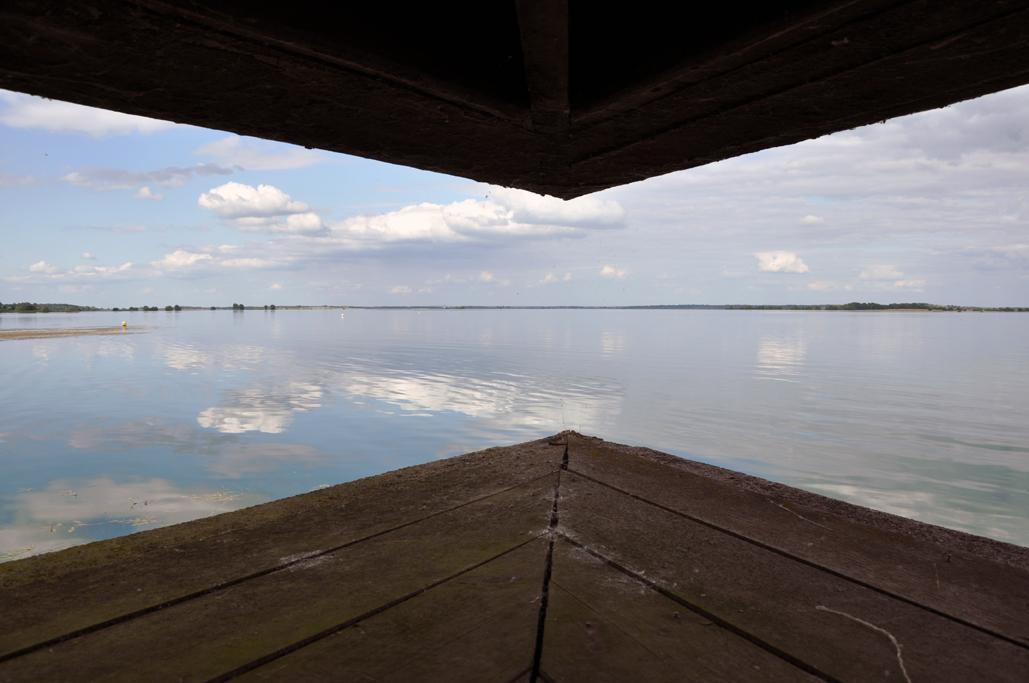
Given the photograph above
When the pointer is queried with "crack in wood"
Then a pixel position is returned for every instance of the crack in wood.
(867, 624)
(541, 623)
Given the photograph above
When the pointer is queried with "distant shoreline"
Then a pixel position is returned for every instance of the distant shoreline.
(23, 308)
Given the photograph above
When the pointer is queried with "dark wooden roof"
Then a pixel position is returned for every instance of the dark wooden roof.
(557, 560)
(554, 96)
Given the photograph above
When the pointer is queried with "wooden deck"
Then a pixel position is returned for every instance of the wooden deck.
(567, 559)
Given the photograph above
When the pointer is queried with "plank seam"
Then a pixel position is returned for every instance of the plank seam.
(325, 633)
(595, 114)
(722, 623)
(520, 676)
(796, 558)
(129, 616)
(253, 39)
(548, 570)
(847, 71)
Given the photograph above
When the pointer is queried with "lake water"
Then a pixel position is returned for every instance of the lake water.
(924, 415)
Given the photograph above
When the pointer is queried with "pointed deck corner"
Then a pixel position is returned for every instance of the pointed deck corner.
(567, 558)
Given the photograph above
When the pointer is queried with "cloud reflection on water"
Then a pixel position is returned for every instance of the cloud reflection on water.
(222, 453)
(780, 358)
(258, 410)
(502, 401)
(927, 506)
(930, 425)
(74, 511)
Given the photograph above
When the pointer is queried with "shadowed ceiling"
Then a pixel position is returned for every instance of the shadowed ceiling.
(562, 97)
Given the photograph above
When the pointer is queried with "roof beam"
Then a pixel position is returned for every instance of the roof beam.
(543, 25)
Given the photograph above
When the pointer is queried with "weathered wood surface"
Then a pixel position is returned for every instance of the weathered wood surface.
(497, 603)
(57, 594)
(557, 560)
(543, 95)
(964, 577)
(597, 613)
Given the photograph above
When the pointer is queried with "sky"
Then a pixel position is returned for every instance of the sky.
(106, 209)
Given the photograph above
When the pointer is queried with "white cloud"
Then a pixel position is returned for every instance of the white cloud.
(43, 267)
(529, 207)
(88, 256)
(105, 179)
(485, 276)
(207, 260)
(236, 200)
(260, 155)
(275, 286)
(826, 286)
(264, 208)
(506, 213)
(180, 259)
(146, 193)
(44, 272)
(101, 270)
(305, 222)
(551, 278)
(250, 262)
(423, 222)
(1003, 257)
(28, 111)
(880, 272)
(811, 219)
(303, 236)
(400, 289)
(610, 271)
(780, 262)
(888, 276)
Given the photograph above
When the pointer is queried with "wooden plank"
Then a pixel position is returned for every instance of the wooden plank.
(351, 45)
(773, 44)
(159, 60)
(544, 29)
(841, 629)
(331, 79)
(258, 620)
(48, 596)
(705, 123)
(946, 570)
(478, 627)
(603, 625)
(819, 45)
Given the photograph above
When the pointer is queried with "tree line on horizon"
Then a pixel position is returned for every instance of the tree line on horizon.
(31, 307)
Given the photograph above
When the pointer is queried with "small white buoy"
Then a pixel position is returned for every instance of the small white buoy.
(342, 315)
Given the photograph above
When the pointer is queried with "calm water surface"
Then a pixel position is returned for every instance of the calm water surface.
(922, 415)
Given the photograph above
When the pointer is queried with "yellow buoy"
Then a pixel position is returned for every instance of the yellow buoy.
(124, 324)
